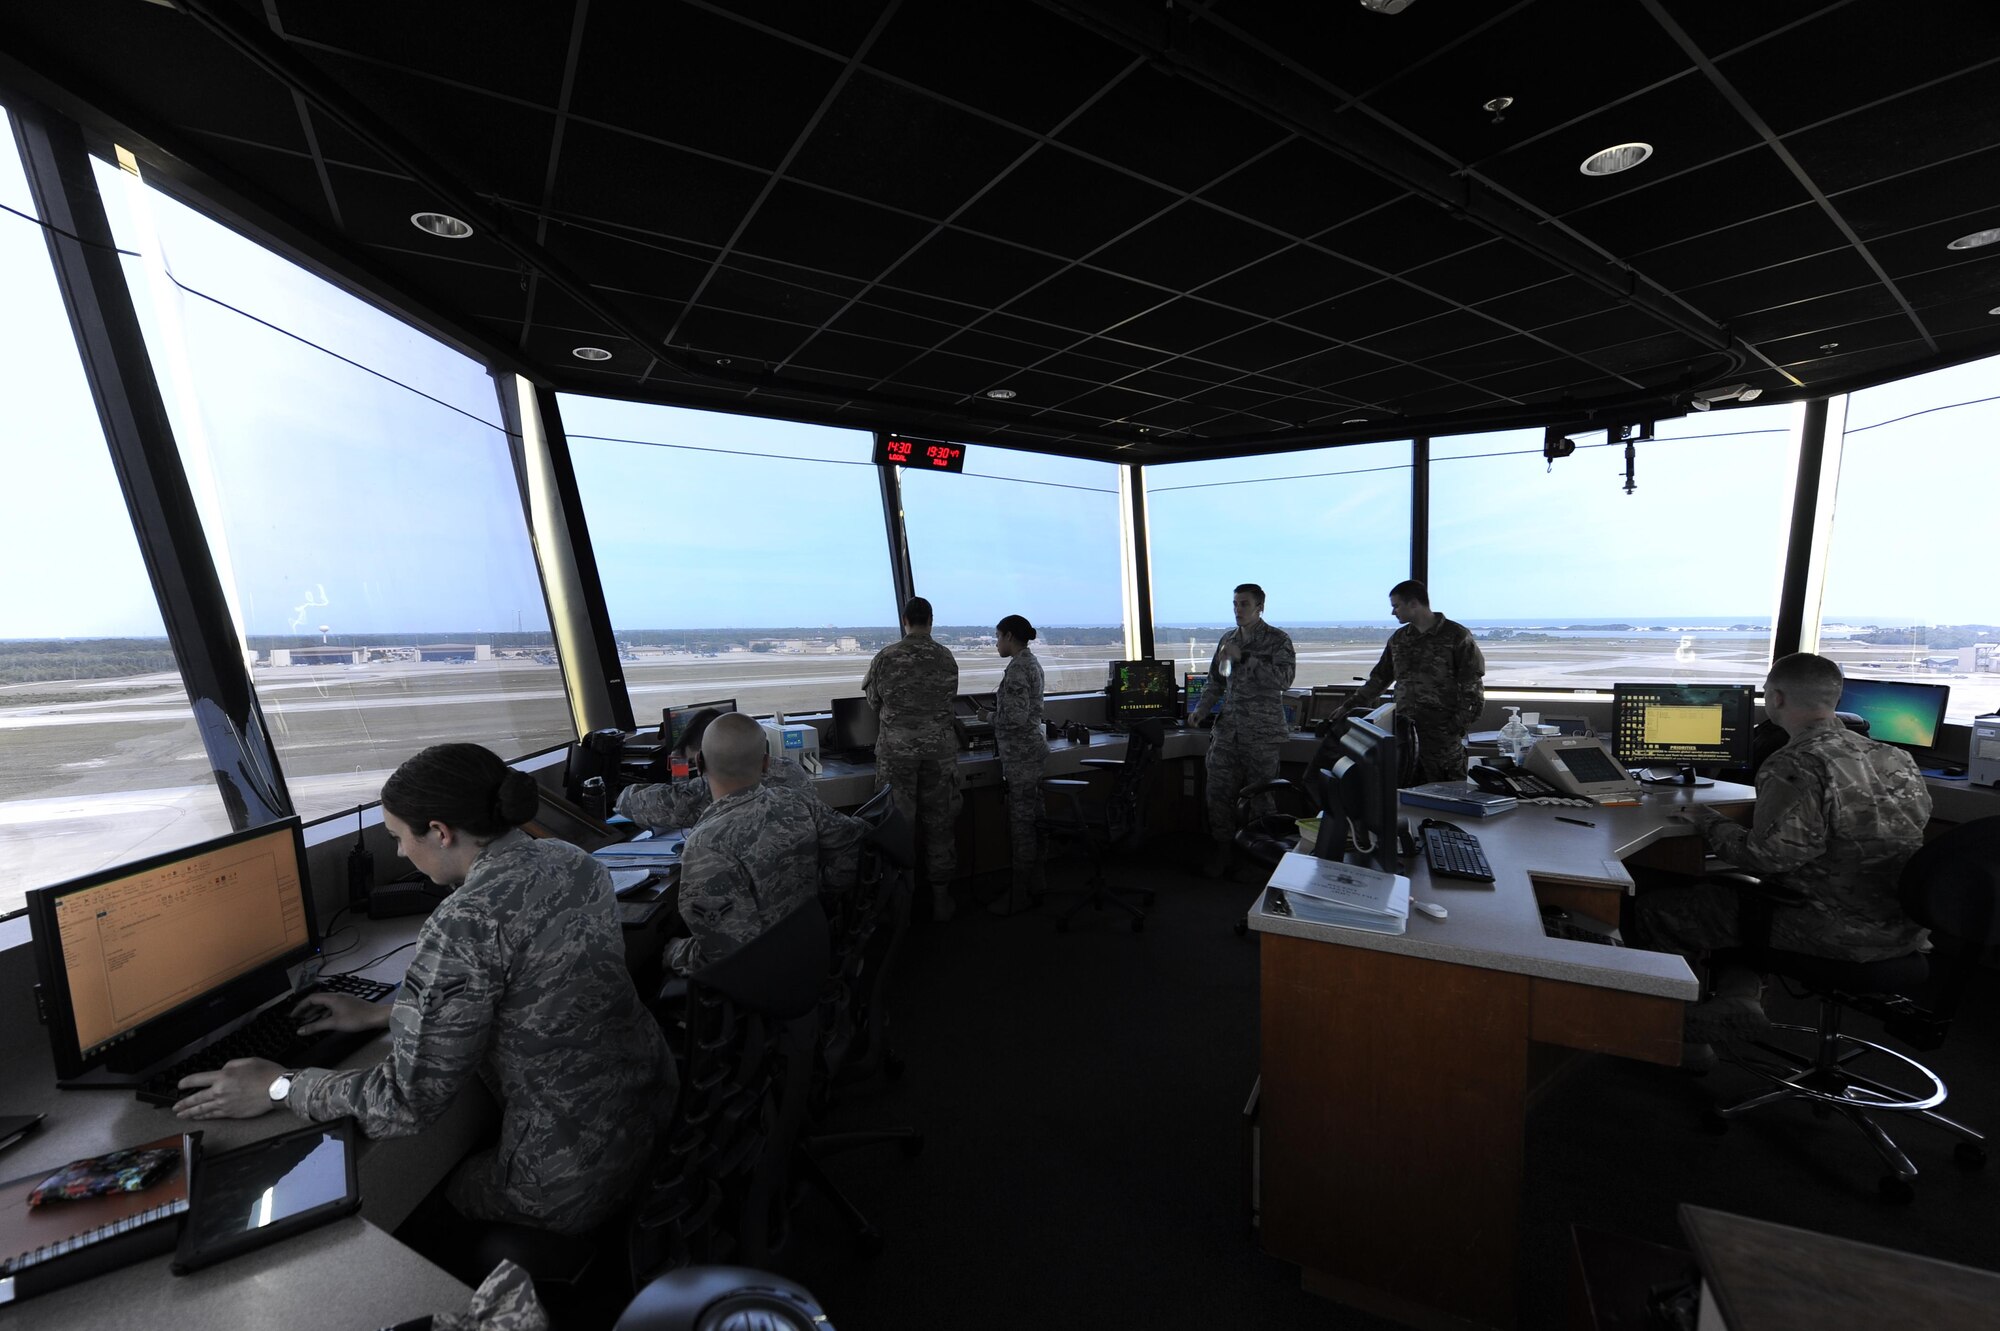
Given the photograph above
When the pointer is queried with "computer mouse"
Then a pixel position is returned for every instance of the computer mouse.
(1952, 771)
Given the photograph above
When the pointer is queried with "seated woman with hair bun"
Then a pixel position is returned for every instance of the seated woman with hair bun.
(519, 979)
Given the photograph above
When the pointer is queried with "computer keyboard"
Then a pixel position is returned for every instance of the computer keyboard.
(1453, 852)
(273, 1034)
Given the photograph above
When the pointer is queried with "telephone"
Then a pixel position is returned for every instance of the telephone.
(1581, 765)
(1505, 778)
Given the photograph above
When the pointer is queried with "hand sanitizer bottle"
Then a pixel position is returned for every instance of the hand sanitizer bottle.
(1514, 736)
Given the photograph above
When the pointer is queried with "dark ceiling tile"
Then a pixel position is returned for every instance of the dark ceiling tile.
(1866, 335)
(1286, 281)
(1056, 201)
(1385, 387)
(832, 283)
(1806, 316)
(1185, 248)
(990, 346)
(1964, 188)
(640, 265)
(952, 373)
(1039, 388)
(375, 210)
(1647, 357)
(743, 292)
(1951, 282)
(1781, 284)
(1413, 231)
(678, 73)
(1126, 355)
(1824, 372)
(1191, 416)
(1086, 300)
(1167, 387)
(1425, 338)
(867, 319)
(1359, 314)
(1170, 130)
(1450, 398)
(1044, 335)
(522, 58)
(618, 178)
(893, 296)
(971, 269)
(1848, 57)
(1096, 369)
(1764, 242)
(1720, 29)
(1110, 404)
(1330, 368)
(1301, 189)
(1489, 358)
(741, 336)
(1551, 302)
(1934, 124)
(1609, 328)
(821, 231)
(1536, 55)
(1734, 189)
(1235, 397)
(1928, 249)
(1488, 269)
(1262, 345)
(896, 146)
(1180, 326)
(840, 27)
(1030, 67)
(842, 353)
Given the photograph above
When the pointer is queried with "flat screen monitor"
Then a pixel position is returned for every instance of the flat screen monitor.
(1138, 690)
(1686, 725)
(1896, 712)
(674, 721)
(855, 724)
(1361, 797)
(1193, 684)
(140, 960)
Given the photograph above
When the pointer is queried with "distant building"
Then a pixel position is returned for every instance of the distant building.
(289, 656)
(454, 652)
(1981, 656)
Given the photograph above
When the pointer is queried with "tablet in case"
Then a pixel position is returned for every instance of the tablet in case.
(269, 1190)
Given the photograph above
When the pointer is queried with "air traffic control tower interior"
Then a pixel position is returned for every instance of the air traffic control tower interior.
(384, 375)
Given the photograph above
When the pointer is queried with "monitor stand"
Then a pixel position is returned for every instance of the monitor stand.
(1685, 776)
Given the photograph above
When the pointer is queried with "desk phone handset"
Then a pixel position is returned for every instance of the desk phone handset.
(1505, 778)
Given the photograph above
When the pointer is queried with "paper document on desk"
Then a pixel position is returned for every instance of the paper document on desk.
(1349, 895)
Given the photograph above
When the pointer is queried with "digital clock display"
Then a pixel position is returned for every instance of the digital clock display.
(895, 450)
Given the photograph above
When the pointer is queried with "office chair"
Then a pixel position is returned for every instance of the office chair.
(1952, 888)
(1100, 825)
(1267, 835)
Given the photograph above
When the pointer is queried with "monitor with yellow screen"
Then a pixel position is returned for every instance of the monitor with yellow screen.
(1685, 725)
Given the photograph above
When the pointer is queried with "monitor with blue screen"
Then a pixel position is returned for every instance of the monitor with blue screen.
(1897, 712)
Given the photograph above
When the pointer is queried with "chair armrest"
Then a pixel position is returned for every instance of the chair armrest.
(1103, 762)
(1767, 889)
(1063, 783)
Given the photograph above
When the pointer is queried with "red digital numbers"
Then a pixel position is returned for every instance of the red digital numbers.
(898, 452)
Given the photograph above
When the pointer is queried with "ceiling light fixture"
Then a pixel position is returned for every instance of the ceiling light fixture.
(1976, 239)
(1355, 420)
(1619, 157)
(1708, 397)
(591, 353)
(1829, 346)
(1496, 106)
(442, 225)
(1000, 394)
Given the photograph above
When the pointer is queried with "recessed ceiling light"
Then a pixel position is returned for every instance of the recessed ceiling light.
(1000, 394)
(1829, 346)
(1976, 239)
(591, 353)
(1994, 310)
(1619, 157)
(1355, 420)
(441, 224)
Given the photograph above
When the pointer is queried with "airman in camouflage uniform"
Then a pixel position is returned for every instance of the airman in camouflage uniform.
(1024, 750)
(760, 850)
(1253, 666)
(519, 977)
(911, 684)
(1437, 669)
(673, 805)
(1837, 817)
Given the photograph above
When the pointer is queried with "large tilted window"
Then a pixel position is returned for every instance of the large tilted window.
(360, 502)
(741, 558)
(100, 760)
(1909, 591)
(1021, 534)
(1569, 581)
(1324, 532)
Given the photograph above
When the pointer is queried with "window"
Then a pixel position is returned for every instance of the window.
(1570, 582)
(741, 558)
(1325, 533)
(360, 502)
(1021, 534)
(100, 760)
(1918, 468)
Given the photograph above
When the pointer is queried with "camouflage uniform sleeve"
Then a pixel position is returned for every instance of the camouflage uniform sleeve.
(1789, 828)
(665, 805)
(1283, 663)
(870, 689)
(1218, 684)
(840, 838)
(441, 1025)
(1379, 679)
(1468, 666)
(714, 884)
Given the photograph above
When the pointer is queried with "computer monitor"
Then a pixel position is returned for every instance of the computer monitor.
(1896, 712)
(1360, 798)
(1139, 690)
(855, 724)
(1688, 725)
(674, 721)
(138, 961)
(1193, 684)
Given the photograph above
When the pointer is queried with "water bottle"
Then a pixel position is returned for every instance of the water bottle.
(1514, 736)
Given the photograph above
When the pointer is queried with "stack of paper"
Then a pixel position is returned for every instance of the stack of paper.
(1349, 895)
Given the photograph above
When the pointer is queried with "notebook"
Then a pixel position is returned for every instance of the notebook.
(61, 1242)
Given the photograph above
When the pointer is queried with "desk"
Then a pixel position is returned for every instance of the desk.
(1397, 1069)
(348, 1274)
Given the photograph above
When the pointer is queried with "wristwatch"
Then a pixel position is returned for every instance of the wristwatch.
(282, 1087)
